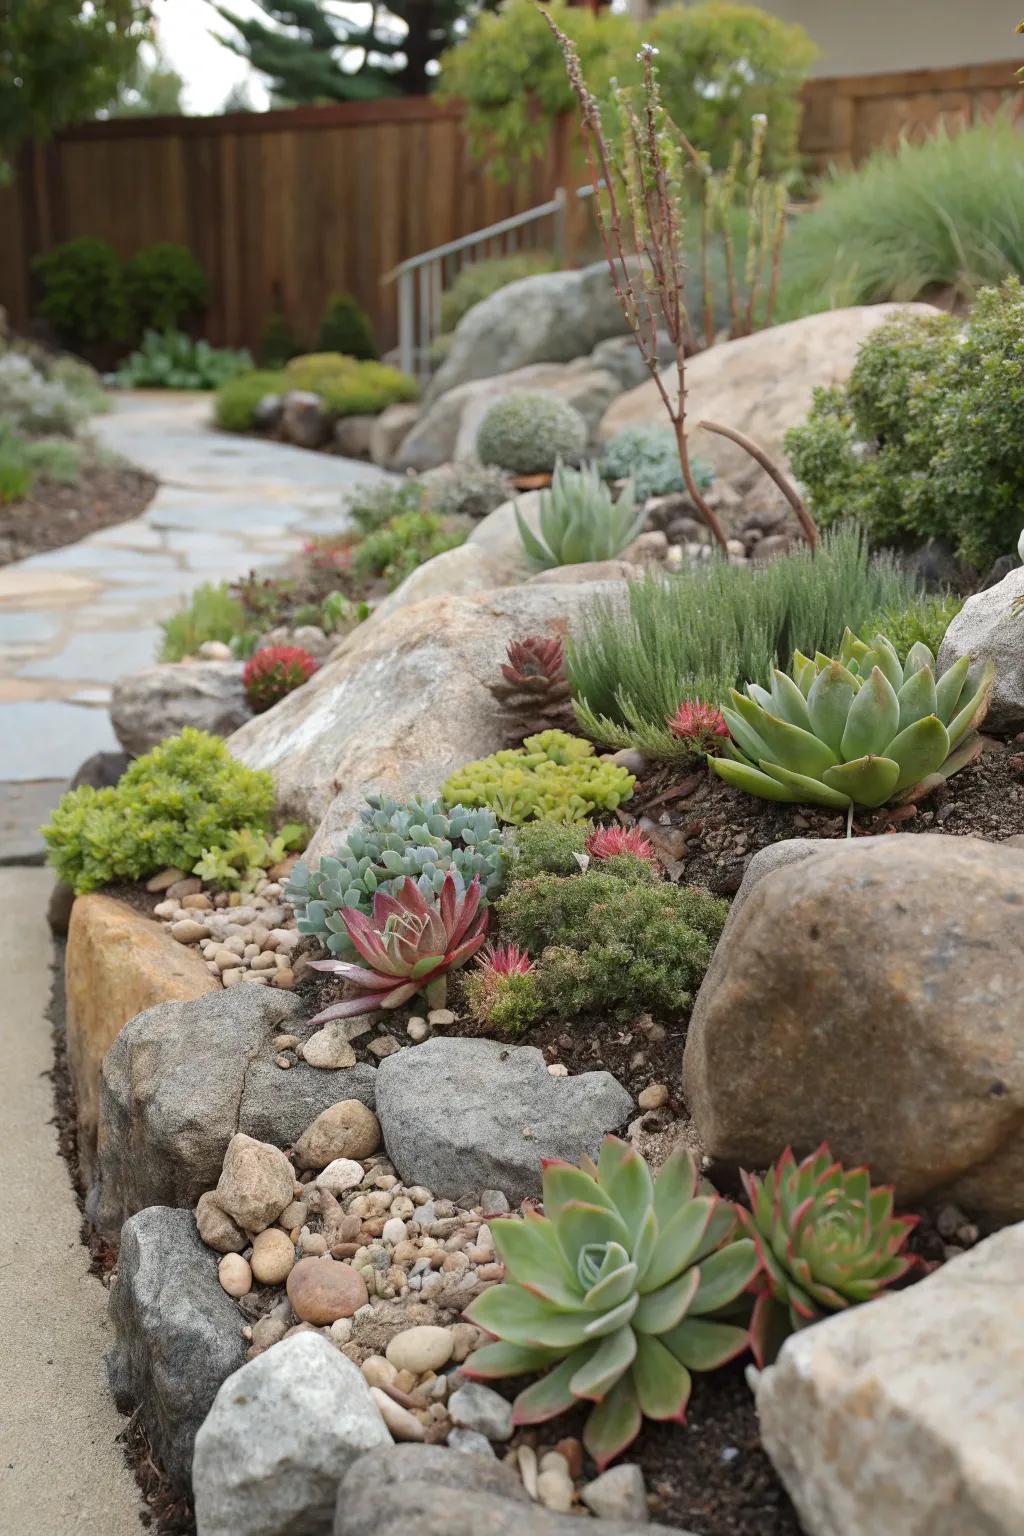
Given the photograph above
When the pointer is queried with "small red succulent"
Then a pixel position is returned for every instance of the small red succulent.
(275, 671)
(504, 960)
(536, 659)
(610, 842)
(701, 726)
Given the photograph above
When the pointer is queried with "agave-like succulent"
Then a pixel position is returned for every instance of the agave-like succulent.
(616, 1292)
(409, 944)
(533, 685)
(580, 520)
(826, 1240)
(613, 842)
(861, 729)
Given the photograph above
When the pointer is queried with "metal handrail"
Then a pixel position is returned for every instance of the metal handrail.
(424, 278)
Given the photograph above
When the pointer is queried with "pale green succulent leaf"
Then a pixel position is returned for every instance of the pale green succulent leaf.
(799, 750)
(563, 1183)
(612, 1357)
(724, 1275)
(919, 750)
(803, 789)
(971, 714)
(719, 1229)
(674, 1184)
(917, 657)
(678, 1240)
(531, 1247)
(760, 696)
(788, 702)
(804, 672)
(552, 1395)
(917, 699)
(613, 1423)
(873, 719)
(492, 1361)
(518, 1316)
(867, 781)
(662, 1309)
(613, 1289)
(607, 1322)
(743, 776)
(949, 688)
(883, 656)
(702, 1345)
(745, 737)
(661, 1381)
(584, 1225)
(828, 703)
(626, 1178)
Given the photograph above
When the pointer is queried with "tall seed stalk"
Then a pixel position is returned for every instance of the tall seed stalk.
(642, 235)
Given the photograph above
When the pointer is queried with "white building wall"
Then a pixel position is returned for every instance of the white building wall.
(868, 37)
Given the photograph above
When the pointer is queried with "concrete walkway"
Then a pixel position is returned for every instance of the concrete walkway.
(61, 1473)
(73, 620)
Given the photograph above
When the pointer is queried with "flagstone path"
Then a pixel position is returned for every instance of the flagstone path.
(73, 620)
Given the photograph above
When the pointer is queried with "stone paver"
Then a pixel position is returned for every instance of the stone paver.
(73, 620)
(61, 1472)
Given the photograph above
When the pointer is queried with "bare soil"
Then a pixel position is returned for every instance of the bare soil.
(53, 515)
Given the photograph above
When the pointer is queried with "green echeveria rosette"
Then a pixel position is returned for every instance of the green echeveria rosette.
(826, 1240)
(420, 840)
(862, 729)
(616, 1293)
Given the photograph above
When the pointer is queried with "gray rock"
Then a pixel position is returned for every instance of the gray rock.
(160, 701)
(267, 415)
(182, 1078)
(903, 1416)
(988, 629)
(278, 1439)
(463, 1115)
(389, 430)
(620, 355)
(409, 1489)
(304, 421)
(550, 318)
(618, 1494)
(469, 1442)
(352, 436)
(475, 1406)
(177, 1336)
(401, 705)
(448, 427)
(889, 970)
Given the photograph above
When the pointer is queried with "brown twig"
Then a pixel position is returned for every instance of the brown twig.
(771, 469)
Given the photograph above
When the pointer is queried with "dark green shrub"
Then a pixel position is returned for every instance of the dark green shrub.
(482, 278)
(610, 946)
(186, 796)
(235, 403)
(165, 288)
(277, 343)
(346, 328)
(402, 544)
(925, 440)
(711, 628)
(82, 292)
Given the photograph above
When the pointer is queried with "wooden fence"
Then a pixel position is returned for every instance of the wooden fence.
(282, 208)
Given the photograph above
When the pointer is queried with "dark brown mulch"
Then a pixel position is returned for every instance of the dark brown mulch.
(53, 515)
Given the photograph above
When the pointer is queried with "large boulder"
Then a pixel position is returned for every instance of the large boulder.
(183, 1078)
(160, 701)
(117, 964)
(903, 1416)
(447, 428)
(177, 1335)
(550, 318)
(761, 384)
(990, 627)
(868, 995)
(461, 1116)
(433, 1491)
(402, 705)
(279, 1438)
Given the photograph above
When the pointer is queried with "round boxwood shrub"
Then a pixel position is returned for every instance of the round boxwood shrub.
(527, 433)
(165, 288)
(82, 292)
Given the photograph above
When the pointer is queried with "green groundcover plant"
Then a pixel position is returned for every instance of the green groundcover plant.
(697, 634)
(171, 806)
(172, 360)
(924, 440)
(553, 776)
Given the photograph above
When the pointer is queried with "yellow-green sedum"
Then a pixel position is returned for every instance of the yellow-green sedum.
(552, 777)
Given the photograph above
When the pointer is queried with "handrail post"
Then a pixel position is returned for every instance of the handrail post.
(561, 198)
(406, 323)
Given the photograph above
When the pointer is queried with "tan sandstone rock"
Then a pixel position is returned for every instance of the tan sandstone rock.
(118, 963)
(869, 995)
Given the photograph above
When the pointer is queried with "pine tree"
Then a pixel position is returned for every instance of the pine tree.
(310, 54)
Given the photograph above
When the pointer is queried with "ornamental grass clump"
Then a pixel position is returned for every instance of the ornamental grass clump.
(409, 944)
(861, 729)
(580, 520)
(623, 1287)
(553, 776)
(274, 672)
(392, 841)
(825, 1239)
(169, 807)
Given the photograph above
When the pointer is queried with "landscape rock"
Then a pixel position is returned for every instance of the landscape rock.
(988, 629)
(183, 1078)
(273, 1256)
(618, 1494)
(345, 1129)
(117, 963)
(321, 1290)
(419, 1349)
(552, 317)
(503, 1112)
(278, 1439)
(432, 1491)
(304, 421)
(176, 1334)
(474, 1406)
(868, 995)
(160, 701)
(329, 1049)
(352, 435)
(447, 428)
(761, 384)
(255, 1184)
(216, 1228)
(621, 356)
(389, 429)
(368, 721)
(903, 1416)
